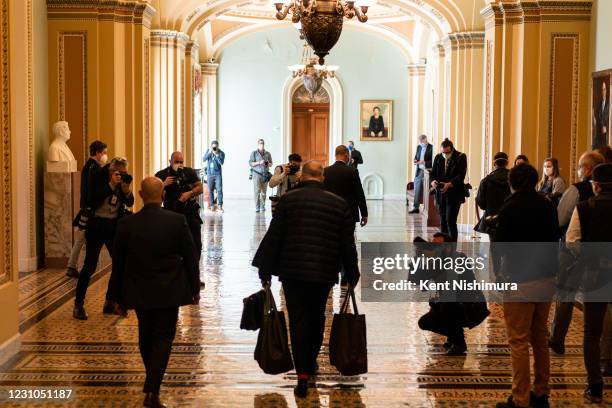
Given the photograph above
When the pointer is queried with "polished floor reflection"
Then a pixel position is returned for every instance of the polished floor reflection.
(212, 363)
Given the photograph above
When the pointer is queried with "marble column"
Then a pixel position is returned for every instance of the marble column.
(416, 113)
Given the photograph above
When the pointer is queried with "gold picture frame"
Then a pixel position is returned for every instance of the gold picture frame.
(376, 126)
(601, 120)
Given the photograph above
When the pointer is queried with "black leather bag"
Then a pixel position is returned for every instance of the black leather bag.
(348, 350)
(272, 351)
(252, 310)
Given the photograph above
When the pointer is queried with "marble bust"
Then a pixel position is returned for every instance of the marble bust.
(60, 158)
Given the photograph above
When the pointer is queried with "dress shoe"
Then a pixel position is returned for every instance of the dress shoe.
(152, 400)
(447, 344)
(72, 272)
(79, 313)
(557, 348)
(301, 389)
(315, 369)
(457, 350)
(594, 393)
(415, 211)
(111, 307)
(538, 402)
(507, 404)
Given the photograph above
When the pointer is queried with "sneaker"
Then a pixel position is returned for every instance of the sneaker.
(594, 393)
(538, 402)
(456, 350)
(220, 208)
(556, 348)
(415, 211)
(79, 313)
(72, 272)
(301, 389)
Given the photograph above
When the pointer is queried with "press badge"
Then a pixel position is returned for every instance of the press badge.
(113, 200)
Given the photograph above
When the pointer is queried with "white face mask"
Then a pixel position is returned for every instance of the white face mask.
(175, 166)
(104, 158)
(548, 171)
(580, 174)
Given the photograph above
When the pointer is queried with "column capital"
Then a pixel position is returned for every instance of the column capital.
(132, 11)
(210, 68)
(535, 11)
(169, 39)
(416, 69)
(463, 40)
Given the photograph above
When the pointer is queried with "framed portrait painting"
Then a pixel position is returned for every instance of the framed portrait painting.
(600, 120)
(376, 120)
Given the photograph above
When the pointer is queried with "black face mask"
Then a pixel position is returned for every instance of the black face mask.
(215, 148)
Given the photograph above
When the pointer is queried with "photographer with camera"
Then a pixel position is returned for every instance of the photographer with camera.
(109, 194)
(287, 176)
(181, 186)
(215, 158)
(260, 161)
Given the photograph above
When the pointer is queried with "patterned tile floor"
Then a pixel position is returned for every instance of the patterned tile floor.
(212, 363)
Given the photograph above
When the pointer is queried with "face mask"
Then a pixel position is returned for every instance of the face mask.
(447, 155)
(175, 167)
(215, 147)
(548, 171)
(350, 148)
(261, 147)
(103, 158)
(580, 174)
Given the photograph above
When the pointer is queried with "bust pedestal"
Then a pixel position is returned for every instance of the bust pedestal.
(59, 213)
(62, 166)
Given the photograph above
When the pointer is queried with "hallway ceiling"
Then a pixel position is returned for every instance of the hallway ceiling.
(413, 25)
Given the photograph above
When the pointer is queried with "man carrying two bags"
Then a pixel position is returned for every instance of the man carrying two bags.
(309, 239)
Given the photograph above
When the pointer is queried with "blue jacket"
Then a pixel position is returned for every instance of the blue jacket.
(214, 162)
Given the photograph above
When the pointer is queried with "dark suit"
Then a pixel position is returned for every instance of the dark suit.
(602, 119)
(344, 181)
(155, 270)
(420, 175)
(355, 158)
(450, 202)
(100, 231)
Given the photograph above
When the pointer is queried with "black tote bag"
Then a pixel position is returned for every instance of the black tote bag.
(272, 351)
(348, 349)
(252, 310)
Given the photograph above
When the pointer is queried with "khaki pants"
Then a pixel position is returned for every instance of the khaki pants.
(260, 188)
(527, 323)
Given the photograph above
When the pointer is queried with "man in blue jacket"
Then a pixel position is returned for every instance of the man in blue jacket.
(215, 158)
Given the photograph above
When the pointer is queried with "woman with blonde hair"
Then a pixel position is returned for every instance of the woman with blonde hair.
(551, 184)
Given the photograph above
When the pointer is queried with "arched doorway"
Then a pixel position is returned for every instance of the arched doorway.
(333, 89)
(310, 124)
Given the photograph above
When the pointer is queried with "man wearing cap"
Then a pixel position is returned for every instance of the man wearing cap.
(493, 191)
(215, 158)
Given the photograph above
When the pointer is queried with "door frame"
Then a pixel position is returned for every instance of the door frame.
(334, 90)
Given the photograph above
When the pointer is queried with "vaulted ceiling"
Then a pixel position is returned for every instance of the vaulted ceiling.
(413, 25)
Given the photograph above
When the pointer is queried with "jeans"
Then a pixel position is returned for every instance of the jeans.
(418, 188)
(306, 303)
(215, 182)
(156, 331)
(527, 323)
(594, 315)
(449, 212)
(101, 232)
(79, 240)
(260, 189)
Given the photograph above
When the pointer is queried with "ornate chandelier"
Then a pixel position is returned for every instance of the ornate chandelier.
(322, 20)
(312, 74)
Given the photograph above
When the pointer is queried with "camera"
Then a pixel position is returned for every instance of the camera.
(266, 163)
(126, 178)
(293, 169)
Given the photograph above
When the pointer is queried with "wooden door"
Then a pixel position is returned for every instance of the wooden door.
(310, 136)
